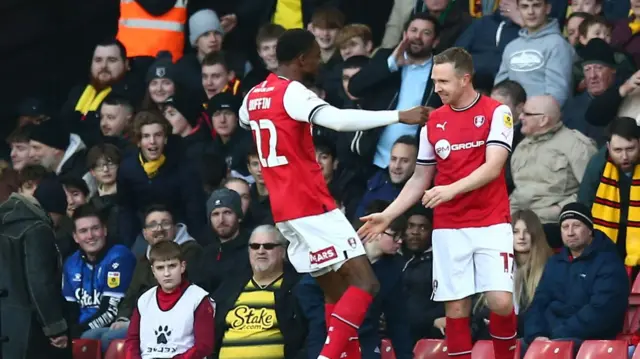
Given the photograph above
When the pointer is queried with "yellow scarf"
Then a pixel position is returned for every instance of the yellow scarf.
(90, 99)
(606, 210)
(151, 167)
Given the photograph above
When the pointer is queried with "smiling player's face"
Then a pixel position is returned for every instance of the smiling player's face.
(448, 83)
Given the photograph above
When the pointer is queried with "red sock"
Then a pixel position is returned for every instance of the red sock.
(458, 337)
(503, 334)
(347, 316)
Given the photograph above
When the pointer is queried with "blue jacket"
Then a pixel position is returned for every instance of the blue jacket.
(486, 39)
(379, 187)
(98, 287)
(390, 301)
(583, 298)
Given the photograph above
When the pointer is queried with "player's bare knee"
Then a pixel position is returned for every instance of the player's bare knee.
(500, 303)
(458, 308)
(358, 272)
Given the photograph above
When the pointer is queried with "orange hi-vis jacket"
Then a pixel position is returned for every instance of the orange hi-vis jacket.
(145, 35)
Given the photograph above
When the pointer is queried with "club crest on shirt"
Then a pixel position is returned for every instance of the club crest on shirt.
(113, 279)
(508, 121)
(478, 121)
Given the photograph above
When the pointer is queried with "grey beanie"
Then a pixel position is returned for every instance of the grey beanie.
(202, 22)
(227, 198)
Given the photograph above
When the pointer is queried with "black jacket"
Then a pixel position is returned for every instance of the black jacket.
(290, 319)
(220, 261)
(31, 302)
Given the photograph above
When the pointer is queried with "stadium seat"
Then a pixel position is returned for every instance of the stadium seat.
(116, 350)
(601, 349)
(484, 349)
(542, 349)
(430, 349)
(634, 298)
(632, 320)
(386, 350)
(86, 349)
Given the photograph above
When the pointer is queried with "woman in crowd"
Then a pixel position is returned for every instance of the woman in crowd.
(161, 83)
(531, 252)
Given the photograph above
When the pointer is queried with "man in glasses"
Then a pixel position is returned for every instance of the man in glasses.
(159, 226)
(548, 165)
(257, 315)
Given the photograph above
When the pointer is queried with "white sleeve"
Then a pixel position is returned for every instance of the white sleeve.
(304, 105)
(301, 103)
(426, 153)
(243, 114)
(501, 132)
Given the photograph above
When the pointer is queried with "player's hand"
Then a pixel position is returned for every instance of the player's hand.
(60, 342)
(398, 52)
(415, 116)
(441, 324)
(374, 224)
(437, 195)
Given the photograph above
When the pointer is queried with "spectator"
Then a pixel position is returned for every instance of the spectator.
(32, 111)
(116, 117)
(95, 277)
(8, 180)
(386, 184)
(227, 251)
(573, 25)
(206, 35)
(266, 288)
(217, 76)
(611, 196)
(583, 292)
(153, 328)
(624, 30)
(450, 16)
(399, 79)
(77, 193)
(146, 28)
(33, 319)
(183, 111)
(212, 169)
(540, 59)
(266, 41)
(157, 174)
(599, 69)
(354, 40)
(232, 142)
(53, 147)
(109, 66)
(30, 177)
(260, 207)
(592, 7)
(104, 161)
(548, 164)
(388, 308)
(20, 148)
(326, 158)
(161, 82)
(618, 101)
(325, 24)
(159, 226)
(427, 318)
(531, 255)
(487, 37)
(512, 94)
(243, 189)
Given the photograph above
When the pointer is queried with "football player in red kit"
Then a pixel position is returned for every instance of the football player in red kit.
(280, 111)
(465, 144)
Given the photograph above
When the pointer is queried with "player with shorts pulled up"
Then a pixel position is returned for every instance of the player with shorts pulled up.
(280, 112)
(465, 145)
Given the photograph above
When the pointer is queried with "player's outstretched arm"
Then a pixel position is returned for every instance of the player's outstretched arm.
(361, 120)
(377, 223)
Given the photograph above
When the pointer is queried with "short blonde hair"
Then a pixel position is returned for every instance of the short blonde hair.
(353, 30)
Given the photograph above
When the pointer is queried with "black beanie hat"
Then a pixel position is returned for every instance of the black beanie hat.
(162, 68)
(576, 210)
(188, 106)
(51, 133)
(597, 51)
(50, 194)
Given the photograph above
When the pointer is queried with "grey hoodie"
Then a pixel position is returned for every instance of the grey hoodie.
(541, 62)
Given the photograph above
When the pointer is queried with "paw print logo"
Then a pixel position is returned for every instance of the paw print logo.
(162, 334)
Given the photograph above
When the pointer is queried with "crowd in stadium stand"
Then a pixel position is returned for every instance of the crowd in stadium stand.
(146, 149)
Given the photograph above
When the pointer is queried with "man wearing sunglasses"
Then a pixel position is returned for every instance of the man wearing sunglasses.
(257, 316)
